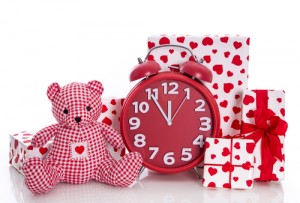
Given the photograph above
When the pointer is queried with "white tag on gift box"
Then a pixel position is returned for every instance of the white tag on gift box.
(79, 150)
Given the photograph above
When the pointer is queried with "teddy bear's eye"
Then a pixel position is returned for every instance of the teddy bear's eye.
(88, 108)
(66, 111)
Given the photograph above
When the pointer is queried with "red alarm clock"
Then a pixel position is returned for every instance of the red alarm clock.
(168, 115)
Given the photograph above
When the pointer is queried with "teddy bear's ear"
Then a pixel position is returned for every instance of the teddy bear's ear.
(96, 86)
(53, 90)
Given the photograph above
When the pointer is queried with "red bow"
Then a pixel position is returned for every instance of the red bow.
(267, 128)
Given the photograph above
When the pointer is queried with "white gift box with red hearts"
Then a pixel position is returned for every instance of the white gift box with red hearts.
(275, 101)
(20, 149)
(226, 56)
(228, 163)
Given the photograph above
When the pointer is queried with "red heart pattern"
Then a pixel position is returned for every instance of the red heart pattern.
(164, 58)
(224, 103)
(250, 147)
(248, 99)
(207, 41)
(218, 69)
(237, 145)
(224, 55)
(225, 152)
(212, 156)
(212, 171)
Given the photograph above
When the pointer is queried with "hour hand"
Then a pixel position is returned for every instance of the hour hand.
(167, 118)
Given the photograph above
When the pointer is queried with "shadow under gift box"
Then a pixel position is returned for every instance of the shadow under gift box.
(20, 149)
(226, 56)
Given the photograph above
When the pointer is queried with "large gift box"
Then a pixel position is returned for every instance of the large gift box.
(228, 163)
(21, 150)
(263, 121)
(226, 56)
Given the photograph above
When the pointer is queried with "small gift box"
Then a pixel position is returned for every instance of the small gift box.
(263, 121)
(228, 163)
(226, 56)
(20, 148)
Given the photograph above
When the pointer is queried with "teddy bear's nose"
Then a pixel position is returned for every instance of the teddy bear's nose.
(77, 119)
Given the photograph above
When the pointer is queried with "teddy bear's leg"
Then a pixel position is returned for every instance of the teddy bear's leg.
(122, 172)
(41, 176)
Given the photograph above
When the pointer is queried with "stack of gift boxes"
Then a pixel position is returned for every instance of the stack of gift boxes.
(250, 143)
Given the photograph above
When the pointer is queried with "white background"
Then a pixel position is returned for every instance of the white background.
(64, 41)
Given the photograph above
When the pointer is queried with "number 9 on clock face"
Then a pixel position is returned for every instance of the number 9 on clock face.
(167, 118)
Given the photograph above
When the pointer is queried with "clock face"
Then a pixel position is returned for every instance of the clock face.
(167, 118)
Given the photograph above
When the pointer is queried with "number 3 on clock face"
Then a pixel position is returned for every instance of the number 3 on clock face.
(167, 118)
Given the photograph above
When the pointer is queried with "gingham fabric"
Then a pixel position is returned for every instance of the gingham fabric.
(79, 151)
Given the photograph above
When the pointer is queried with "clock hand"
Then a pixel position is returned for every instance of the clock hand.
(179, 108)
(161, 110)
(169, 112)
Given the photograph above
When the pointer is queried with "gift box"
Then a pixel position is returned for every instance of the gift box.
(228, 163)
(226, 56)
(21, 150)
(263, 121)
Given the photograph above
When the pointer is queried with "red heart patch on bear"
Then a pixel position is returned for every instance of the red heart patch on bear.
(79, 149)
(43, 150)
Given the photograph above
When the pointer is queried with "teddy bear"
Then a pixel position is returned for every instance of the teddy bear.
(79, 151)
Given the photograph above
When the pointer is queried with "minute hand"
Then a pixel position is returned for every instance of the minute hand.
(178, 108)
(161, 110)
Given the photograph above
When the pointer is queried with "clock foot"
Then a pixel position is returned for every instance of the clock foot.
(197, 172)
(141, 171)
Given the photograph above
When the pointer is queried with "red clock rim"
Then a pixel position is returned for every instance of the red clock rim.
(201, 88)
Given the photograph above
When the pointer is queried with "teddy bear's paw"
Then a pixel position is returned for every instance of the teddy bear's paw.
(39, 176)
(127, 169)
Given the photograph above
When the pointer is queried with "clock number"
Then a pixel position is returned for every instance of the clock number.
(143, 107)
(135, 123)
(172, 91)
(169, 159)
(205, 123)
(152, 91)
(155, 150)
(199, 141)
(188, 93)
(139, 140)
(186, 155)
(201, 105)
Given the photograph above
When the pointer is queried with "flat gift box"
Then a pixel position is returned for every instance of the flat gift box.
(228, 163)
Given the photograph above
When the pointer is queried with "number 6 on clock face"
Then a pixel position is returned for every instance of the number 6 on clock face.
(166, 118)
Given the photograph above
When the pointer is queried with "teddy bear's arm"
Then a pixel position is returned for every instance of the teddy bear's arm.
(112, 136)
(44, 135)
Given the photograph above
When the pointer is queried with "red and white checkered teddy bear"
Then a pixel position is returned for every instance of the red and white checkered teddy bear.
(79, 151)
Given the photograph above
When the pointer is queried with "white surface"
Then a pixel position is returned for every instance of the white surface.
(62, 40)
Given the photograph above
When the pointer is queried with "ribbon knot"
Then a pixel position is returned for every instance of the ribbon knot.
(268, 127)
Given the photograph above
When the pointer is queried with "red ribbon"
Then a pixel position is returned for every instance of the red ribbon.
(267, 128)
